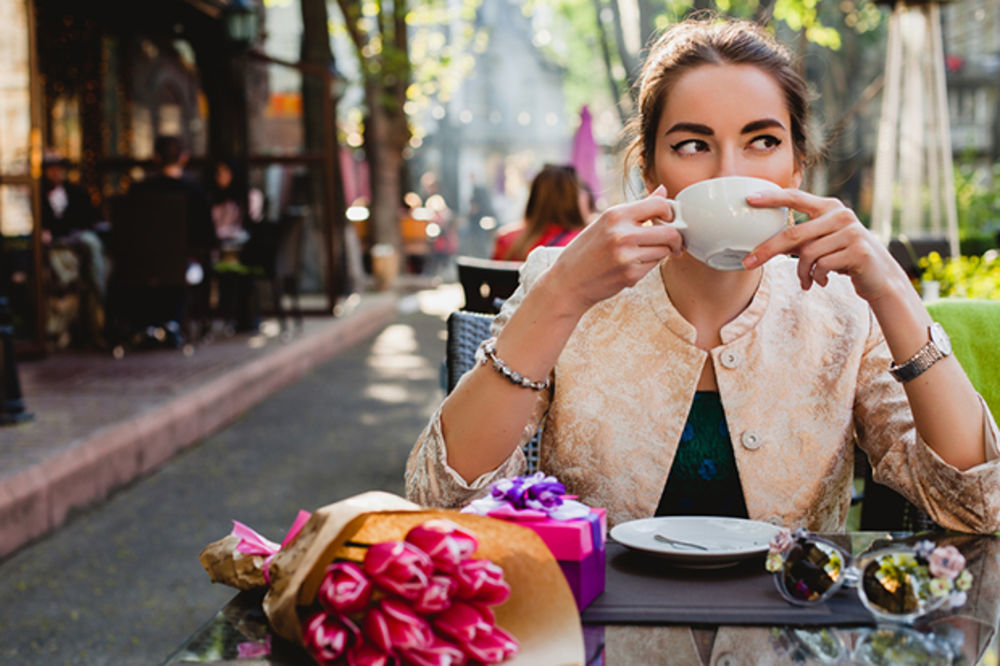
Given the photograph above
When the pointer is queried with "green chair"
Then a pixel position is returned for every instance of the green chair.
(974, 328)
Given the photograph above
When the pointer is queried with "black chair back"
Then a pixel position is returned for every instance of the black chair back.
(486, 283)
(148, 243)
(909, 251)
(882, 508)
(274, 251)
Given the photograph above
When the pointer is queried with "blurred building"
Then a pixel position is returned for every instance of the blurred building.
(99, 80)
(505, 120)
(971, 36)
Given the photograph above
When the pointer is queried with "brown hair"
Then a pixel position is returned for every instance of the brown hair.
(706, 40)
(554, 199)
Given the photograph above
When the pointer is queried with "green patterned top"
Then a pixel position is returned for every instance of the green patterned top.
(703, 479)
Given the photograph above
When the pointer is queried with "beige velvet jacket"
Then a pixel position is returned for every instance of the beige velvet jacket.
(801, 376)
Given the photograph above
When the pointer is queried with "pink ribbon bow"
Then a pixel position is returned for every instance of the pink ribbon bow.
(252, 543)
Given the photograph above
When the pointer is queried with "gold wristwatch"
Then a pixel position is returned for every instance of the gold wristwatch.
(936, 349)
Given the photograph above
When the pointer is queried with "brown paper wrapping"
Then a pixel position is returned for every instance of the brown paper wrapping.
(225, 564)
(540, 612)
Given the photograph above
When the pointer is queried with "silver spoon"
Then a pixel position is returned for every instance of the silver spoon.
(678, 542)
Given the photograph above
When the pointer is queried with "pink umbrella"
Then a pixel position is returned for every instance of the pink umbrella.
(584, 157)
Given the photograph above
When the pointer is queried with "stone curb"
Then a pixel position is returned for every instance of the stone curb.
(39, 499)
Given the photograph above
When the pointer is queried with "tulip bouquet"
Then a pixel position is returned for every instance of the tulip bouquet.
(424, 601)
(375, 579)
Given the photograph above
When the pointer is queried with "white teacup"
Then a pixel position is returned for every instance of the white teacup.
(718, 225)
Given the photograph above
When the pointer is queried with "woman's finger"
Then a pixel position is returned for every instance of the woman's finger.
(836, 262)
(653, 208)
(792, 239)
(804, 202)
(812, 252)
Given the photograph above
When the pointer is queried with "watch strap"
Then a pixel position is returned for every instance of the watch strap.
(919, 363)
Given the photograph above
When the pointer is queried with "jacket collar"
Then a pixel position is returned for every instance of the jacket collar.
(654, 292)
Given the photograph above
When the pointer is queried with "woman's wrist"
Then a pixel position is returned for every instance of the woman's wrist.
(555, 288)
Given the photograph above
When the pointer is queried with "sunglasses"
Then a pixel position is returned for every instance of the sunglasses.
(896, 584)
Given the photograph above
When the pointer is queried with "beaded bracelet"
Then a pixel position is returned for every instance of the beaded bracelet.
(489, 353)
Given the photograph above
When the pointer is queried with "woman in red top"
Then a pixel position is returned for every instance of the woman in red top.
(552, 216)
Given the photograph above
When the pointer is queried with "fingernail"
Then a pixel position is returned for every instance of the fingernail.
(755, 196)
(750, 261)
(659, 191)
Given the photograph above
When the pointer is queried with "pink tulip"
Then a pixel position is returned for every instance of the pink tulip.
(436, 596)
(946, 562)
(328, 636)
(345, 588)
(439, 653)
(392, 626)
(365, 654)
(481, 581)
(491, 648)
(399, 567)
(463, 622)
(446, 543)
(473, 628)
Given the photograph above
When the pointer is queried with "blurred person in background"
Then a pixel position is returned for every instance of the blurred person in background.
(227, 210)
(171, 156)
(552, 217)
(74, 254)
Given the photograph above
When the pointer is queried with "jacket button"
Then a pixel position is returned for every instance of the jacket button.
(750, 440)
(730, 359)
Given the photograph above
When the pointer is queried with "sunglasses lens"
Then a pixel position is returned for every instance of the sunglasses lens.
(811, 570)
(891, 585)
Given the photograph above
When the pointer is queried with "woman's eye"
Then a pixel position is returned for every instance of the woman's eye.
(689, 147)
(766, 142)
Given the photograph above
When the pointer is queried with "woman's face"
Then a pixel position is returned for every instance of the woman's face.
(724, 120)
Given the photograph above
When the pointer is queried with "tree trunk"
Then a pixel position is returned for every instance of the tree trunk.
(648, 11)
(385, 158)
(616, 95)
(319, 119)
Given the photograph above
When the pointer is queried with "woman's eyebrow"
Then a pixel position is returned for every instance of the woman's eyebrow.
(694, 128)
(758, 125)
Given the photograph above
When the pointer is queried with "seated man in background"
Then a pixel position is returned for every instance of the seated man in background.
(171, 157)
(74, 255)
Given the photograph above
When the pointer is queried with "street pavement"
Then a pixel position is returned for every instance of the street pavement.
(120, 582)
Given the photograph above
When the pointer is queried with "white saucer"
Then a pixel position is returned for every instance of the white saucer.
(724, 541)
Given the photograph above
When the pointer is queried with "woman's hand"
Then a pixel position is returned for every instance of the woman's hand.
(832, 240)
(617, 250)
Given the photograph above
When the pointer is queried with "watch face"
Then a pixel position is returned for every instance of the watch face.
(940, 338)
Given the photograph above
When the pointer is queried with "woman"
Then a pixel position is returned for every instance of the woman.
(552, 217)
(227, 212)
(790, 356)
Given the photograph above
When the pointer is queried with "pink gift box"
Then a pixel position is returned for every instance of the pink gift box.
(578, 545)
(573, 539)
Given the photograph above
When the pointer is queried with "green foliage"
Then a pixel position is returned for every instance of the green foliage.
(579, 27)
(964, 277)
(977, 196)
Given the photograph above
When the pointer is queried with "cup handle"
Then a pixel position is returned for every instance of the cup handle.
(678, 221)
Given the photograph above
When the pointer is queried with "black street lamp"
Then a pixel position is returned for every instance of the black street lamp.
(11, 403)
(242, 22)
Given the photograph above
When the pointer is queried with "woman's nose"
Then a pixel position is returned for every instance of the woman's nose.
(728, 164)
